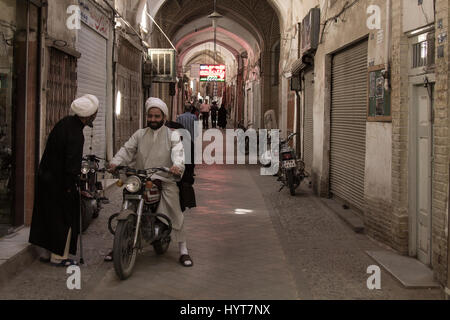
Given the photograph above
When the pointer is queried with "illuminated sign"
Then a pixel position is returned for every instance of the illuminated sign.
(214, 73)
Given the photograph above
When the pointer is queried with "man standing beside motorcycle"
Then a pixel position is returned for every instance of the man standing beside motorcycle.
(55, 225)
(158, 146)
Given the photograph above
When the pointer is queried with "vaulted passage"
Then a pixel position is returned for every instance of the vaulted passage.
(245, 39)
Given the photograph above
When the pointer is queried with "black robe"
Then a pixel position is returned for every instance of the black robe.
(57, 202)
(222, 117)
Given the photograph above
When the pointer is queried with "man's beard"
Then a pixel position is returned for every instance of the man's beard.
(155, 125)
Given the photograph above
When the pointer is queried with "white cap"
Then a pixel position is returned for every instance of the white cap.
(85, 106)
(157, 103)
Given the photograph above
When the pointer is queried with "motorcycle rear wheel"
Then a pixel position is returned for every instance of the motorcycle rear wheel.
(124, 255)
(290, 181)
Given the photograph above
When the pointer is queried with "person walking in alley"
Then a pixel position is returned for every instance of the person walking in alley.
(158, 146)
(187, 120)
(222, 117)
(55, 223)
(205, 108)
(214, 110)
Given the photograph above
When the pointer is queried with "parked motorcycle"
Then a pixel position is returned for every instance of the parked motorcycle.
(291, 171)
(138, 219)
(91, 190)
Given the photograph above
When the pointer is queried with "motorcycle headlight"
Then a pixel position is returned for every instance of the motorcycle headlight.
(84, 168)
(133, 184)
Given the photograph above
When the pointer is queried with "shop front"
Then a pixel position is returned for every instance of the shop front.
(20, 25)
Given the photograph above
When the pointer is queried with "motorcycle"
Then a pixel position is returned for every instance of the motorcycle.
(138, 219)
(291, 171)
(91, 190)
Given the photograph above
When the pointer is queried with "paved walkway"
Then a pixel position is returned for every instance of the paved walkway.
(248, 241)
(236, 252)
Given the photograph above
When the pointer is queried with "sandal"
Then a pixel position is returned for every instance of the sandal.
(109, 257)
(185, 259)
(65, 263)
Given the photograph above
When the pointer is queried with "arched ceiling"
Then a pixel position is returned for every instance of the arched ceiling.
(225, 24)
(225, 53)
(248, 25)
(223, 36)
(204, 57)
(280, 7)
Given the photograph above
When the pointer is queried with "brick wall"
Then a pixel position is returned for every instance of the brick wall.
(441, 150)
(398, 222)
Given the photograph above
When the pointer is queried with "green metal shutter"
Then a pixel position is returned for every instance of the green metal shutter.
(348, 124)
(308, 133)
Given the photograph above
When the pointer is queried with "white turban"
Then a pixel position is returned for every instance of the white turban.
(85, 106)
(157, 103)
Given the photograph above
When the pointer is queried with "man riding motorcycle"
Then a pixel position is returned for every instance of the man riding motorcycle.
(158, 146)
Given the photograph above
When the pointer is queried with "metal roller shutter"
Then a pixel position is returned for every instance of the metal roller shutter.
(92, 79)
(348, 124)
(308, 134)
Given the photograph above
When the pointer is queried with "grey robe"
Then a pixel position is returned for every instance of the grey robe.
(147, 149)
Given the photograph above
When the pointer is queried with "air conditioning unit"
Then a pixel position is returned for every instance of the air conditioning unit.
(310, 31)
(163, 65)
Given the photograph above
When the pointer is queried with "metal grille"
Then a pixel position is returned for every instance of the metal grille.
(129, 56)
(348, 124)
(420, 54)
(61, 87)
(127, 123)
(309, 127)
(424, 51)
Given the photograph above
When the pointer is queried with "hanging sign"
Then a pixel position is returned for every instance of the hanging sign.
(212, 73)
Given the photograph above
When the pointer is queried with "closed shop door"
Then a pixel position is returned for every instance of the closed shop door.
(308, 131)
(128, 83)
(348, 124)
(92, 78)
(61, 88)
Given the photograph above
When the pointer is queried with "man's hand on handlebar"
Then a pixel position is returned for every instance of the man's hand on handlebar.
(175, 171)
(111, 167)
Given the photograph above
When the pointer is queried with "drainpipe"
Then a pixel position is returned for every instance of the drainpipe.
(387, 54)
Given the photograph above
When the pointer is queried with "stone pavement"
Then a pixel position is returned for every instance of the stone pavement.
(236, 252)
(248, 241)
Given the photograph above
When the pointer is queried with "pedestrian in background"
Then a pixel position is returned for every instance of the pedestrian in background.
(56, 214)
(214, 110)
(205, 109)
(187, 120)
(222, 117)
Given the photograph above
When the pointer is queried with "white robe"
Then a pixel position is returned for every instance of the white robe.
(149, 148)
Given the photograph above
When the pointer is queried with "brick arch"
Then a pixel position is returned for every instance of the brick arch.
(277, 5)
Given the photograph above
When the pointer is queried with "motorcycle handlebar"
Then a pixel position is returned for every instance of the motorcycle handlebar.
(154, 170)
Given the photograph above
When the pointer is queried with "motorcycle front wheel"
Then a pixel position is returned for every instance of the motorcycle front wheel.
(124, 255)
(86, 213)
